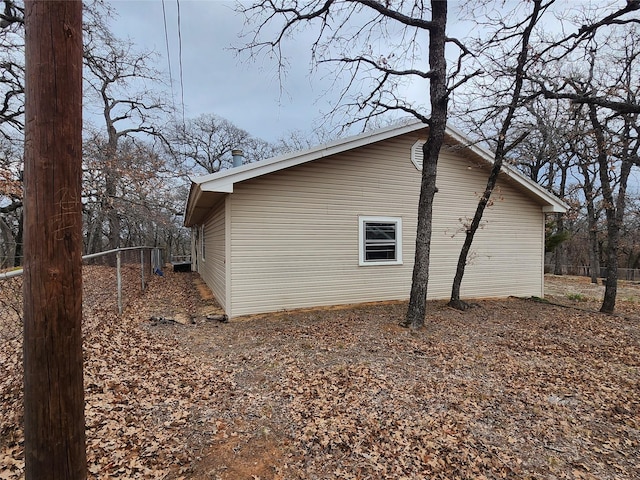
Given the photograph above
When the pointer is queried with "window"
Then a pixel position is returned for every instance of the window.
(380, 240)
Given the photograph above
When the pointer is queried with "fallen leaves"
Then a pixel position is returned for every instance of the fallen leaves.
(142, 396)
(508, 389)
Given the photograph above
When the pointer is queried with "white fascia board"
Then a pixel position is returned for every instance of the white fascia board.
(555, 208)
(224, 181)
(222, 187)
(194, 195)
(555, 204)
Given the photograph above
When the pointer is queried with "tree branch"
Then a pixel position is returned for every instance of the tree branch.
(395, 15)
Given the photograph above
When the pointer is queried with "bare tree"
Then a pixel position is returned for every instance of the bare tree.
(11, 203)
(606, 89)
(150, 194)
(546, 157)
(12, 80)
(13, 13)
(582, 146)
(205, 143)
(614, 205)
(11, 132)
(547, 72)
(297, 140)
(118, 77)
(523, 31)
(439, 96)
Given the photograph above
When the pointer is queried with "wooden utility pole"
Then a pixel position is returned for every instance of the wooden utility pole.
(53, 387)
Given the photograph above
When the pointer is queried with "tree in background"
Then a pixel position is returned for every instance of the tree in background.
(544, 155)
(521, 32)
(552, 71)
(602, 90)
(630, 237)
(115, 76)
(204, 144)
(582, 146)
(11, 133)
(11, 203)
(118, 78)
(150, 196)
(12, 65)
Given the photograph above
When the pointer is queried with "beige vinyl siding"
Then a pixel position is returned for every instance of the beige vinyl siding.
(506, 256)
(213, 267)
(294, 233)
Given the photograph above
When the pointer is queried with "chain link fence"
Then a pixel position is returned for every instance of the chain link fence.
(630, 274)
(110, 281)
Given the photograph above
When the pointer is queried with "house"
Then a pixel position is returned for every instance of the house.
(336, 224)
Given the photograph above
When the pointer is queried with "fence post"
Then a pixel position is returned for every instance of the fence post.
(119, 275)
(142, 266)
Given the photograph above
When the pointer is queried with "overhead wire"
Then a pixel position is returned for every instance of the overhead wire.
(180, 61)
(166, 37)
(166, 41)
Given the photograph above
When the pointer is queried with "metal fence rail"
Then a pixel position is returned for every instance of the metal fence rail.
(631, 274)
(151, 261)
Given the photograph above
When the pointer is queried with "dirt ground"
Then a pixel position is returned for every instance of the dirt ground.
(513, 388)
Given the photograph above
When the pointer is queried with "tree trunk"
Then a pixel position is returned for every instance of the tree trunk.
(592, 217)
(561, 251)
(594, 258)
(417, 309)
(455, 301)
(113, 218)
(53, 385)
(614, 226)
(13, 254)
(614, 209)
(7, 251)
(594, 254)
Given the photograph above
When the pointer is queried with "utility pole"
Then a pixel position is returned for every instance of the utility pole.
(53, 383)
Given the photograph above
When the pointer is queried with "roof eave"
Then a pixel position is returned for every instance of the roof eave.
(194, 195)
(224, 181)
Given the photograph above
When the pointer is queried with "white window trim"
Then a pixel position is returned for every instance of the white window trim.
(361, 232)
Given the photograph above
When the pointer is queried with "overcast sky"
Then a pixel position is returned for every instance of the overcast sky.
(216, 80)
(247, 91)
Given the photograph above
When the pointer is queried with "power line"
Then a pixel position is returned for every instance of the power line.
(166, 41)
(180, 61)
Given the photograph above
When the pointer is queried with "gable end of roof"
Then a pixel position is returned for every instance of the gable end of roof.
(208, 189)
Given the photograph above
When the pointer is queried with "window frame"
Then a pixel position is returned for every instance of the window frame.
(362, 221)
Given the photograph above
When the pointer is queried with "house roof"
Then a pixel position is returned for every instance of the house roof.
(206, 191)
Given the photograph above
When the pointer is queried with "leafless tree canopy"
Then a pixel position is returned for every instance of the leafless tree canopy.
(374, 51)
(578, 95)
(204, 144)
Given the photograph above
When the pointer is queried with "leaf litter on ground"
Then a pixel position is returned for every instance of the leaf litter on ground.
(511, 388)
